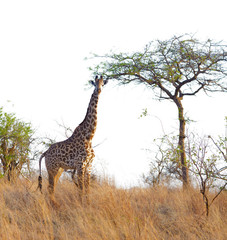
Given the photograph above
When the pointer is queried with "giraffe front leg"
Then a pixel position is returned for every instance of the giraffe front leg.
(87, 182)
(87, 178)
(80, 174)
(88, 168)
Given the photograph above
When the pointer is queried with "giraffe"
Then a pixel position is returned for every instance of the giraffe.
(76, 152)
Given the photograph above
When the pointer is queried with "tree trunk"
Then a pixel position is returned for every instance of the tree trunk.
(10, 174)
(181, 144)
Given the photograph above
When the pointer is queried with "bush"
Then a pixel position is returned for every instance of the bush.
(16, 138)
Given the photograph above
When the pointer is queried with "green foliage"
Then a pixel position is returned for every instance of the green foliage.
(15, 144)
(144, 113)
(179, 66)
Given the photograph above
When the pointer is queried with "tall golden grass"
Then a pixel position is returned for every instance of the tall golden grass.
(113, 213)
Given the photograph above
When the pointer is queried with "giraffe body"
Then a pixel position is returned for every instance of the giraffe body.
(75, 152)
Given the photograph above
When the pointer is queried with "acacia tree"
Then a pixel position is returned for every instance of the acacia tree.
(15, 145)
(175, 68)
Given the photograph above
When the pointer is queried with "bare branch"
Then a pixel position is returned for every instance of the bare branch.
(195, 92)
(223, 154)
(221, 189)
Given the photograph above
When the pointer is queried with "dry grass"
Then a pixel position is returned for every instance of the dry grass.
(112, 214)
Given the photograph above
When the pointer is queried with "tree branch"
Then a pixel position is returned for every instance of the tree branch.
(223, 154)
(195, 92)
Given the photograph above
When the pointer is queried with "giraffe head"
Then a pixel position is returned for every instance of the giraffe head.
(98, 83)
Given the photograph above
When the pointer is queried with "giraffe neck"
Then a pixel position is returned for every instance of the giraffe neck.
(86, 129)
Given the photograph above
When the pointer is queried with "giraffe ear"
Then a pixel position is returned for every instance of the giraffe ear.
(92, 83)
(105, 82)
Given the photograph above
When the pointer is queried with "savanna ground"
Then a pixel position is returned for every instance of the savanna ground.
(113, 213)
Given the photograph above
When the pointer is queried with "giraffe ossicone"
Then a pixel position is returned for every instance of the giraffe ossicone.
(76, 152)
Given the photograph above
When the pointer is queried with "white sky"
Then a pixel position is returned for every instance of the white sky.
(43, 73)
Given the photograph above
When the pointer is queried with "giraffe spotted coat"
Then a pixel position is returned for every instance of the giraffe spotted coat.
(75, 152)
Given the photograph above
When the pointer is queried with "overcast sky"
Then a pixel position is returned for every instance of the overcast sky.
(43, 73)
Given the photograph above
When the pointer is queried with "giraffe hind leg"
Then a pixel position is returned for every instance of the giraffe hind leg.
(51, 183)
(53, 179)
